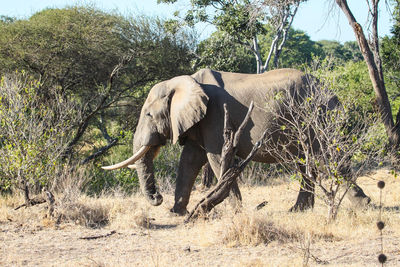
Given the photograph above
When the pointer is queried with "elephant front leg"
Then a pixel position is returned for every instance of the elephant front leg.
(193, 157)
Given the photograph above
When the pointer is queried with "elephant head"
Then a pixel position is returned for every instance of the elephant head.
(171, 108)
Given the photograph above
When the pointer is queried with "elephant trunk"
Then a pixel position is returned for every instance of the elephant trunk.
(145, 170)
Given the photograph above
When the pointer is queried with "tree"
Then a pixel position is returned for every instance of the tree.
(371, 54)
(244, 20)
(347, 51)
(221, 52)
(78, 49)
(352, 51)
(298, 50)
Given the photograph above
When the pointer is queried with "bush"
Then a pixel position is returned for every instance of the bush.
(317, 137)
(34, 132)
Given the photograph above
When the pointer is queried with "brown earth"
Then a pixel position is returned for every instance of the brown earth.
(136, 234)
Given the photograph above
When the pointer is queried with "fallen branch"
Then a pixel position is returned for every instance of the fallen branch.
(229, 169)
(32, 202)
(47, 197)
(98, 236)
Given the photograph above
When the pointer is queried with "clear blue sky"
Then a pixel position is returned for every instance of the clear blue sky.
(316, 17)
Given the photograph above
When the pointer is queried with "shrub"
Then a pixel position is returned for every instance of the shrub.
(34, 133)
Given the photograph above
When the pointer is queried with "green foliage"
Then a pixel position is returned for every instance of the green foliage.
(125, 179)
(350, 82)
(64, 46)
(220, 52)
(77, 48)
(236, 20)
(349, 51)
(353, 84)
(390, 51)
(33, 133)
(73, 51)
(166, 165)
(232, 17)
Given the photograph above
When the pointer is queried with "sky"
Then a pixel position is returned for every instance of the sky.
(320, 19)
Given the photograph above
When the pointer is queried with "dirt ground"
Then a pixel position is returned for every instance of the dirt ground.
(141, 235)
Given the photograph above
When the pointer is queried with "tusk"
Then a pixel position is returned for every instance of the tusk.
(138, 155)
(133, 166)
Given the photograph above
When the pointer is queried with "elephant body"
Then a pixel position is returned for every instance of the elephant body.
(189, 110)
(238, 91)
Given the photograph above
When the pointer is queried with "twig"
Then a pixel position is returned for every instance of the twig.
(98, 236)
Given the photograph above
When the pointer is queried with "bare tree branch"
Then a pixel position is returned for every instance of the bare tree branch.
(229, 170)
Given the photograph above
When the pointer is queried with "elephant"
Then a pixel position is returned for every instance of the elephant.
(189, 110)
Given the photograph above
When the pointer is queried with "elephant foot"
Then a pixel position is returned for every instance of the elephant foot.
(155, 199)
(179, 211)
(305, 201)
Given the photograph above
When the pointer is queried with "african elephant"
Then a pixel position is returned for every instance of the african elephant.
(189, 110)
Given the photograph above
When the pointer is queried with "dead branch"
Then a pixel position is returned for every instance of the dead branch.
(49, 198)
(100, 151)
(229, 169)
(98, 236)
(32, 202)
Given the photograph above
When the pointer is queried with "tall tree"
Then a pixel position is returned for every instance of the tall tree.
(78, 49)
(244, 20)
(391, 58)
(299, 49)
(370, 52)
(221, 52)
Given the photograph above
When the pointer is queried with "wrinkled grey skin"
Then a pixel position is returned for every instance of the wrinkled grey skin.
(189, 110)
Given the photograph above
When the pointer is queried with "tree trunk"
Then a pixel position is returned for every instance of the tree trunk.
(256, 50)
(375, 71)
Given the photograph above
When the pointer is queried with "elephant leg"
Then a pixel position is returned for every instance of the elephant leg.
(193, 157)
(207, 176)
(235, 197)
(305, 199)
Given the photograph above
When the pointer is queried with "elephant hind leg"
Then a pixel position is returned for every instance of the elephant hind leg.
(235, 197)
(305, 199)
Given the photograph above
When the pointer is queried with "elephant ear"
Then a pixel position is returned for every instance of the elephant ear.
(188, 104)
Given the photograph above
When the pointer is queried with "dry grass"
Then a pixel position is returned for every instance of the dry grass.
(254, 229)
(150, 236)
